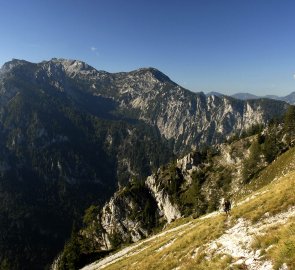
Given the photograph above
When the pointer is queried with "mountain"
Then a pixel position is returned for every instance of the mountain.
(149, 95)
(246, 96)
(71, 136)
(273, 97)
(214, 93)
(191, 186)
(258, 233)
(289, 98)
(60, 153)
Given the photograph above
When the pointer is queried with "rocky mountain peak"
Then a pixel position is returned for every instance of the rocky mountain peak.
(151, 96)
(11, 65)
(153, 73)
(71, 64)
(71, 67)
(54, 68)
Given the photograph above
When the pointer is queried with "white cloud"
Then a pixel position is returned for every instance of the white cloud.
(94, 50)
(294, 76)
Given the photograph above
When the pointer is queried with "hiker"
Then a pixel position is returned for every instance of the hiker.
(227, 206)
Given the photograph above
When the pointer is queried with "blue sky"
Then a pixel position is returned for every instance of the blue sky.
(204, 45)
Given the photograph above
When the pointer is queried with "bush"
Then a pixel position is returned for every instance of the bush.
(251, 165)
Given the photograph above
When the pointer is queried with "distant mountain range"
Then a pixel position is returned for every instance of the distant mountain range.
(247, 96)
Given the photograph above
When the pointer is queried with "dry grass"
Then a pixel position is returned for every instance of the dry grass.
(273, 198)
(180, 251)
(185, 248)
(284, 164)
(278, 245)
(178, 222)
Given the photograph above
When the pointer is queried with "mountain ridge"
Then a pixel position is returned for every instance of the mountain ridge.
(71, 136)
(178, 113)
(290, 98)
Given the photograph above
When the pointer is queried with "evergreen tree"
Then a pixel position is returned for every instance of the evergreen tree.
(90, 214)
(71, 254)
(5, 265)
(251, 165)
(270, 149)
(290, 124)
(148, 215)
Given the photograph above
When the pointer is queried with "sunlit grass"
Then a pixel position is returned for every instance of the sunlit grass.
(181, 250)
(278, 244)
(184, 247)
(273, 198)
(282, 165)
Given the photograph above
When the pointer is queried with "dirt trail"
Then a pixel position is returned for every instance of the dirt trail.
(131, 250)
(237, 241)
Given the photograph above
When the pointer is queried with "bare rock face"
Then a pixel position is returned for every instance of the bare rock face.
(116, 219)
(187, 118)
(170, 211)
(122, 215)
(127, 217)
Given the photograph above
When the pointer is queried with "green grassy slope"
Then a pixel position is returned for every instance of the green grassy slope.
(259, 233)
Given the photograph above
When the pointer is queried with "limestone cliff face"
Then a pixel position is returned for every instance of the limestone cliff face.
(186, 117)
(169, 210)
(125, 215)
(147, 94)
(117, 218)
(129, 217)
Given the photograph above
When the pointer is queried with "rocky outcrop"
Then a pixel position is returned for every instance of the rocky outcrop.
(123, 216)
(126, 217)
(169, 211)
(116, 220)
(186, 117)
(147, 94)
